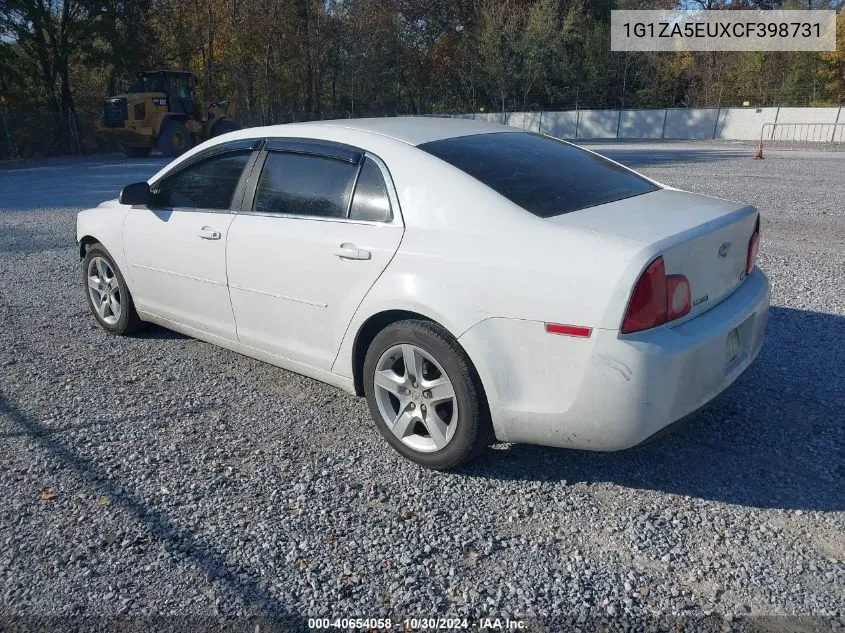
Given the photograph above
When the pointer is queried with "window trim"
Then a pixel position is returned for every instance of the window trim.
(254, 144)
(358, 171)
(316, 149)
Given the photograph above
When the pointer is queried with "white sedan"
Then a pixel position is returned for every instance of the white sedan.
(474, 282)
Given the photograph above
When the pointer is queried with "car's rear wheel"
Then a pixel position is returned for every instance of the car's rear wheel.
(108, 296)
(424, 395)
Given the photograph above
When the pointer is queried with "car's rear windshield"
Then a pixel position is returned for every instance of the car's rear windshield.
(542, 175)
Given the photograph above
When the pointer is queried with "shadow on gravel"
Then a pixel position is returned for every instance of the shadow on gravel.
(211, 561)
(43, 430)
(774, 439)
(156, 332)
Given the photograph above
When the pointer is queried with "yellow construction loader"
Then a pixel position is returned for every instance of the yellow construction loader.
(160, 112)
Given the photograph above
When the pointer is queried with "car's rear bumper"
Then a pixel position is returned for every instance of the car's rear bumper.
(611, 391)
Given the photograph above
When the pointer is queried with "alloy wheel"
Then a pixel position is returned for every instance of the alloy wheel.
(415, 397)
(104, 290)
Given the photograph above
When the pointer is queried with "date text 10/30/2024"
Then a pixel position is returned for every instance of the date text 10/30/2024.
(417, 624)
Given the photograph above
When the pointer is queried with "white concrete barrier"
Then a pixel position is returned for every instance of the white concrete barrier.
(641, 123)
(491, 117)
(744, 124)
(671, 123)
(808, 115)
(559, 124)
(525, 120)
(815, 133)
(690, 123)
(597, 123)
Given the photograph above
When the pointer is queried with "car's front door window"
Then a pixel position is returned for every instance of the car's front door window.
(209, 184)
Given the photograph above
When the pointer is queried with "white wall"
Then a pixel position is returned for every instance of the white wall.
(808, 115)
(597, 123)
(672, 123)
(690, 123)
(525, 120)
(641, 123)
(559, 124)
(744, 123)
(822, 129)
(491, 117)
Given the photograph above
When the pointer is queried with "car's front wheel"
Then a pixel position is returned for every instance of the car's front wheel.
(425, 395)
(107, 293)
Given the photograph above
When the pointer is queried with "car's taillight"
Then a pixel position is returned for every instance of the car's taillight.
(753, 246)
(679, 299)
(647, 307)
(657, 299)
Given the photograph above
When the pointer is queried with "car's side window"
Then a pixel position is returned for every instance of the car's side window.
(370, 201)
(209, 184)
(304, 184)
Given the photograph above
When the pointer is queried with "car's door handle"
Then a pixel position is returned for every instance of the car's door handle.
(350, 251)
(208, 233)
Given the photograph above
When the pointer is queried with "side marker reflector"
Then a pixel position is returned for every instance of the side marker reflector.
(569, 330)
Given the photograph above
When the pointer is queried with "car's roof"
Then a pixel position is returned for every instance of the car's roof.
(411, 130)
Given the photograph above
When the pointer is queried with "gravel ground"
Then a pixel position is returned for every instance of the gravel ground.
(161, 476)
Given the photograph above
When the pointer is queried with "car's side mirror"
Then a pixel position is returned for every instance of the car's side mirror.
(136, 193)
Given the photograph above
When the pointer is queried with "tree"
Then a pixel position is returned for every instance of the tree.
(832, 66)
(48, 32)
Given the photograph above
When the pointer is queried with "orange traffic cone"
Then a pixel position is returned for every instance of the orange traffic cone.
(759, 154)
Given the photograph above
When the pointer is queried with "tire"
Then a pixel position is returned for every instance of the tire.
(222, 126)
(174, 138)
(461, 427)
(101, 278)
(136, 152)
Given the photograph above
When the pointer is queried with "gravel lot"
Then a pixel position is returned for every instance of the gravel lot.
(159, 475)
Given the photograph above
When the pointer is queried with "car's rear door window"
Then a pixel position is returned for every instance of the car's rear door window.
(304, 184)
(208, 184)
(542, 175)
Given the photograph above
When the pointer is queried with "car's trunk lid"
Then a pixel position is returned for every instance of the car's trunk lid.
(705, 239)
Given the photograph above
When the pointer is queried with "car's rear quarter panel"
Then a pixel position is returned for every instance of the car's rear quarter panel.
(609, 392)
